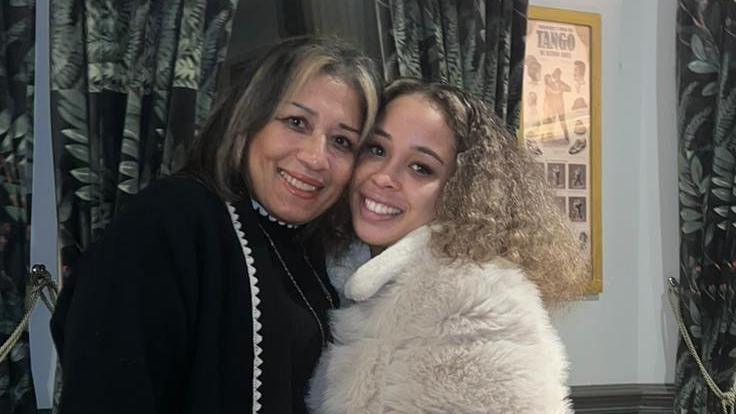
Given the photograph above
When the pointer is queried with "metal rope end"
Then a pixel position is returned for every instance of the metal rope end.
(673, 282)
(39, 275)
(38, 270)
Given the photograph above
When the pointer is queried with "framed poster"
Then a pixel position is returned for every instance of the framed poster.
(561, 117)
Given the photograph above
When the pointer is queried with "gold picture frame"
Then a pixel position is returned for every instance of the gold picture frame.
(561, 117)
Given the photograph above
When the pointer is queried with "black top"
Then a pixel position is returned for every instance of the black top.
(158, 316)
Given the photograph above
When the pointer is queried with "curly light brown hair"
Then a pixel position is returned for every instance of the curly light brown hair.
(496, 204)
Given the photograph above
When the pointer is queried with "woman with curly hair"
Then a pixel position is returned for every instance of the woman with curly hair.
(468, 253)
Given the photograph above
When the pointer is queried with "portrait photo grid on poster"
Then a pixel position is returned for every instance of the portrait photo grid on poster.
(557, 115)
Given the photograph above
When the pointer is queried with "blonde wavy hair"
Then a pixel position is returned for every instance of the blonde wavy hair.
(496, 204)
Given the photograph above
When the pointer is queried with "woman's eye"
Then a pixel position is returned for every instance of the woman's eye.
(375, 149)
(421, 169)
(343, 142)
(295, 122)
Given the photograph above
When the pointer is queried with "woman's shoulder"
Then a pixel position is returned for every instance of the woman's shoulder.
(172, 197)
(492, 273)
(496, 284)
(177, 190)
(171, 206)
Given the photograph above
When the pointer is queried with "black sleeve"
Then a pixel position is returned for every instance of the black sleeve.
(123, 323)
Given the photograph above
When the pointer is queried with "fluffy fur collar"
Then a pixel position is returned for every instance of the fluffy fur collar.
(385, 267)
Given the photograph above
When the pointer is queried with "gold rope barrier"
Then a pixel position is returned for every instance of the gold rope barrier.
(43, 287)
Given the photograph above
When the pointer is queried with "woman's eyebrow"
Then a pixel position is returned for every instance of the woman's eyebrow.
(383, 134)
(305, 108)
(316, 114)
(349, 128)
(429, 152)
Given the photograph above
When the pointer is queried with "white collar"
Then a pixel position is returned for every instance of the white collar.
(380, 270)
(262, 211)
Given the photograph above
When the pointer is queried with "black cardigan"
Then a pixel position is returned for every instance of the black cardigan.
(158, 317)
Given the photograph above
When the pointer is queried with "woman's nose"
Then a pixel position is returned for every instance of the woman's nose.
(313, 152)
(386, 178)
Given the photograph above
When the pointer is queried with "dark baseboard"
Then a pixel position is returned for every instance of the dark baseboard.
(623, 398)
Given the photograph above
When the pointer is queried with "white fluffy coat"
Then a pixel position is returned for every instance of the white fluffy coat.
(424, 336)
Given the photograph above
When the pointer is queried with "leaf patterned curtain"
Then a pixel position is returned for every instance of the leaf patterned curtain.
(17, 33)
(706, 71)
(474, 44)
(131, 80)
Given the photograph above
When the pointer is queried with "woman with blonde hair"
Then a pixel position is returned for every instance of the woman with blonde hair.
(469, 251)
(207, 295)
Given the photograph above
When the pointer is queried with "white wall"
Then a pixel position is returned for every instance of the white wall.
(658, 234)
(43, 212)
(626, 334)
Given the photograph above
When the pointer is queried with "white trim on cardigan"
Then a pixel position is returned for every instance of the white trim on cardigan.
(262, 211)
(256, 312)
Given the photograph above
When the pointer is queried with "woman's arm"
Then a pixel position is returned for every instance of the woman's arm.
(489, 348)
(124, 323)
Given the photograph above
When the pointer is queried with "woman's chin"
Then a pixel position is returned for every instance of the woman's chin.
(375, 236)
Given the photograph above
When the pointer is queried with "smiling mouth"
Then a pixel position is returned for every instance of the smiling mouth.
(379, 208)
(297, 183)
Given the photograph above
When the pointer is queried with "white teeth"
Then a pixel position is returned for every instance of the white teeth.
(297, 183)
(379, 208)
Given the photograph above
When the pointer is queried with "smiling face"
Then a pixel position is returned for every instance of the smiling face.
(401, 171)
(301, 160)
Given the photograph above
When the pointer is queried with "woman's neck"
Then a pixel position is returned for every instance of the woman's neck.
(376, 250)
